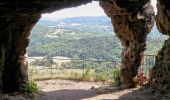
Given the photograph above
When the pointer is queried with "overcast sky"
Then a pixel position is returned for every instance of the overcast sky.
(91, 9)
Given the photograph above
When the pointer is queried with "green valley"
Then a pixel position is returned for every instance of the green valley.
(83, 38)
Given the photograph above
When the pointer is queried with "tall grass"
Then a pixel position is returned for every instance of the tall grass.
(116, 76)
(32, 87)
(87, 74)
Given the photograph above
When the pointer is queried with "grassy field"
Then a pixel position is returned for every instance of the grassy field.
(64, 68)
(47, 73)
(40, 73)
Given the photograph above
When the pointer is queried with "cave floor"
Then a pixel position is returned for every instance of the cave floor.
(73, 90)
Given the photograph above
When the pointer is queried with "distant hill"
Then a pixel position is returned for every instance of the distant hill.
(101, 24)
(83, 37)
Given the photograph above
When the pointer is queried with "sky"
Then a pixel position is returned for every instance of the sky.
(91, 9)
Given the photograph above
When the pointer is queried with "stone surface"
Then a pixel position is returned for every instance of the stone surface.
(14, 41)
(8, 8)
(132, 21)
(160, 73)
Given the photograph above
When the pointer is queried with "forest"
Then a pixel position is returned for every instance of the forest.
(83, 38)
(90, 45)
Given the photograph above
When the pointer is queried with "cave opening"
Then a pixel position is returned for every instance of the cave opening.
(80, 37)
(76, 44)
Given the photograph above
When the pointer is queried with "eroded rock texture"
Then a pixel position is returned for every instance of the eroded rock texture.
(14, 41)
(160, 73)
(132, 21)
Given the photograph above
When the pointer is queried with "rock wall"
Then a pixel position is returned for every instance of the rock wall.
(13, 43)
(9, 8)
(160, 73)
(132, 21)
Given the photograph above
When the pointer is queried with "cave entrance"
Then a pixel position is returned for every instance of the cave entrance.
(76, 44)
(80, 46)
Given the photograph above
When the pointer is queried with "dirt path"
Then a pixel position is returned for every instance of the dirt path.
(71, 90)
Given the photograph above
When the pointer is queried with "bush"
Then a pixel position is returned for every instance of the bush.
(32, 87)
(88, 75)
(116, 76)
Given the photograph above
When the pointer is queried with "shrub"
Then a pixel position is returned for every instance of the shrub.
(116, 76)
(88, 75)
(32, 87)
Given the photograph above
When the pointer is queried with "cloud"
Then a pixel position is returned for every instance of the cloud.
(91, 9)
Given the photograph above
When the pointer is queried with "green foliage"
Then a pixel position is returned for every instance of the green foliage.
(154, 44)
(89, 40)
(73, 44)
(116, 76)
(83, 41)
(88, 74)
(32, 87)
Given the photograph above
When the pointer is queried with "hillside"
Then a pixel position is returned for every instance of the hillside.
(99, 24)
(82, 37)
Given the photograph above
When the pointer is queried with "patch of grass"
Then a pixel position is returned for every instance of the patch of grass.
(88, 75)
(75, 76)
(116, 76)
(32, 87)
(101, 77)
